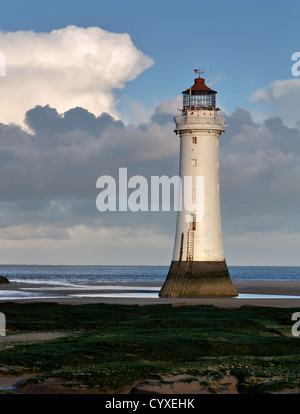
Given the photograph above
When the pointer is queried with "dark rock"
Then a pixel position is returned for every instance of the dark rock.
(3, 280)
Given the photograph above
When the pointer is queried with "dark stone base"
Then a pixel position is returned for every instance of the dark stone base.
(198, 280)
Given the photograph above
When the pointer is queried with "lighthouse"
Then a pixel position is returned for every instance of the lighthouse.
(198, 267)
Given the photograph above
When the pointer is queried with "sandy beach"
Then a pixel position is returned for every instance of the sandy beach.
(255, 293)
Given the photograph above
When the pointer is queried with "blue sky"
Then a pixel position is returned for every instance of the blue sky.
(52, 154)
(247, 44)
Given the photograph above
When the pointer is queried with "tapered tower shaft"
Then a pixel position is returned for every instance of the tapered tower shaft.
(198, 268)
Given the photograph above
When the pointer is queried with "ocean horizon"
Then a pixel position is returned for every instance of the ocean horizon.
(64, 274)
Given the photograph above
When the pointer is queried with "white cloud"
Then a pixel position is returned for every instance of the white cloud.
(66, 68)
(29, 232)
(171, 106)
(82, 245)
(135, 112)
(276, 248)
(282, 97)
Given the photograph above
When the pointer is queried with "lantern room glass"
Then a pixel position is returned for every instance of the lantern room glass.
(199, 100)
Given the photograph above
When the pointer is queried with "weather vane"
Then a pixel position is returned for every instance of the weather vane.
(198, 71)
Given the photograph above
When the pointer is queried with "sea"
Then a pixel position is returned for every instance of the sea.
(80, 277)
(56, 275)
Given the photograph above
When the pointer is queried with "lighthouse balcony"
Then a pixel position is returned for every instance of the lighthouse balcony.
(200, 121)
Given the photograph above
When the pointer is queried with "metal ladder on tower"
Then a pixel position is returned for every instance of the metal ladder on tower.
(190, 251)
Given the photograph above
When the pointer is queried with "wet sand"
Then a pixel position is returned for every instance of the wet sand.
(287, 294)
(170, 384)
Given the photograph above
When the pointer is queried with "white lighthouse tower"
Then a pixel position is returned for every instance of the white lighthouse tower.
(198, 268)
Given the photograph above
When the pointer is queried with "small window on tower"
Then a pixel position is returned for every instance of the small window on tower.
(194, 163)
(193, 222)
(194, 140)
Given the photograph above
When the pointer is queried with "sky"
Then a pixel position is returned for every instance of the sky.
(92, 86)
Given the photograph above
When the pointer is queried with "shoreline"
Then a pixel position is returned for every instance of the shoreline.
(287, 294)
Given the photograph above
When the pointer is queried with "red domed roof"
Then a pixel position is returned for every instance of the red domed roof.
(199, 86)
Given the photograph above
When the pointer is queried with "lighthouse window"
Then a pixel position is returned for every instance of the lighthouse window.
(194, 140)
(194, 163)
(193, 222)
